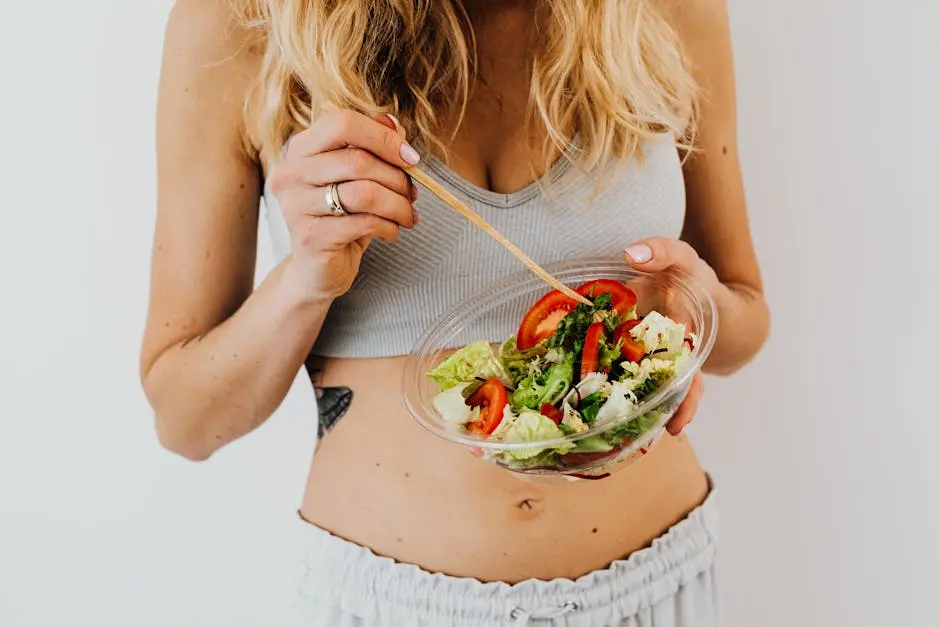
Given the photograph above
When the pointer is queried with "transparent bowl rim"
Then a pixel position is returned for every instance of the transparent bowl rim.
(569, 272)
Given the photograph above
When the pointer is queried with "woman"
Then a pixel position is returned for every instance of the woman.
(596, 102)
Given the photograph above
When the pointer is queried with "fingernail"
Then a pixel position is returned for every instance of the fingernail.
(394, 121)
(409, 154)
(640, 253)
(414, 192)
(414, 215)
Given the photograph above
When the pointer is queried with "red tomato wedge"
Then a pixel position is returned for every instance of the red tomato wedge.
(622, 297)
(491, 398)
(542, 319)
(592, 347)
(629, 347)
(552, 413)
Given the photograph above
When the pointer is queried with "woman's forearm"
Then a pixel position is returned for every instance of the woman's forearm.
(743, 326)
(211, 389)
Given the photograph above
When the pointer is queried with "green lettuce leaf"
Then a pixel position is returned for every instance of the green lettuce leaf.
(472, 362)
(607, 357)
(451, 405)
(547, 458)
(655, 380)
(549, 387)
(532, 427)
(633, 429)
(592, 444)
(518, 363)
(590, 405)
(647, 376)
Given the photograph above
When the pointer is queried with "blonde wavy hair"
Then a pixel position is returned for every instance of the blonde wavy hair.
(610, 71)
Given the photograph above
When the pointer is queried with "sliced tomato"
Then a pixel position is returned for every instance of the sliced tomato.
(592, 347)
(552, 413)
(542, 319)
(491, 398)
(629, 324)
(629, 347)
(622, 297)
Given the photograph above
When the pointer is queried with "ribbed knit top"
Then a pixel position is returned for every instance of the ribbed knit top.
(403, 288)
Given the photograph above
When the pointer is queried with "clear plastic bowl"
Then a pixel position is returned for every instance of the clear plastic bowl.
(494, 315)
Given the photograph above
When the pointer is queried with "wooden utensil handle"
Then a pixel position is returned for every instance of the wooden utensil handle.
(442, 192)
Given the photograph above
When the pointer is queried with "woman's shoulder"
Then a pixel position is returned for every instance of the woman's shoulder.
(697, 22)
(212, 47)
(215, 33)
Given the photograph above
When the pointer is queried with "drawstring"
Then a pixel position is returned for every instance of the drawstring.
(522, 617)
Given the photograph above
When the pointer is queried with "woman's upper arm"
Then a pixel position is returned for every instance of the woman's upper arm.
(208, 180)
(716, 220)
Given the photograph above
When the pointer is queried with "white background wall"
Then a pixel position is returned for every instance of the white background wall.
(821, 449)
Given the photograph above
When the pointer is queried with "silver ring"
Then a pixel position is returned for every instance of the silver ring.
(332, 200)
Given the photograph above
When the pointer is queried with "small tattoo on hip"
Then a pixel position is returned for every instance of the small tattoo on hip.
(332, 401)
(332, 404)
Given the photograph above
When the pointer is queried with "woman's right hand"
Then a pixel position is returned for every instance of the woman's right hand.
(365, 158)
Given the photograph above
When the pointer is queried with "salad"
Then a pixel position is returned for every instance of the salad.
(569, 368)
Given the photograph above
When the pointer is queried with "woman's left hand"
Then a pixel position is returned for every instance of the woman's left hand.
(659, 253)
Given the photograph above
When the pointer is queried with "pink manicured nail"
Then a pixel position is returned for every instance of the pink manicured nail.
(640, 253)
(409, 154)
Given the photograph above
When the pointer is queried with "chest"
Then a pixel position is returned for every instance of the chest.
(446, 259)
(496, 144)
(573, 217)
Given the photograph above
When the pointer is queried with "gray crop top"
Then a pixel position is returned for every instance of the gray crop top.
(402, 289)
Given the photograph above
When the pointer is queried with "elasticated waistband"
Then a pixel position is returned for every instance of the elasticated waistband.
(382, 591)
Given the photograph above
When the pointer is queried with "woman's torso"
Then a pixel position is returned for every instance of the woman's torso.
(381, 480)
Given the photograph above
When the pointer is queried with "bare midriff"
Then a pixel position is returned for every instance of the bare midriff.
(379, 479)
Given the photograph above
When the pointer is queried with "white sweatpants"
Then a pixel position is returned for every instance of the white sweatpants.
(671, 583)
